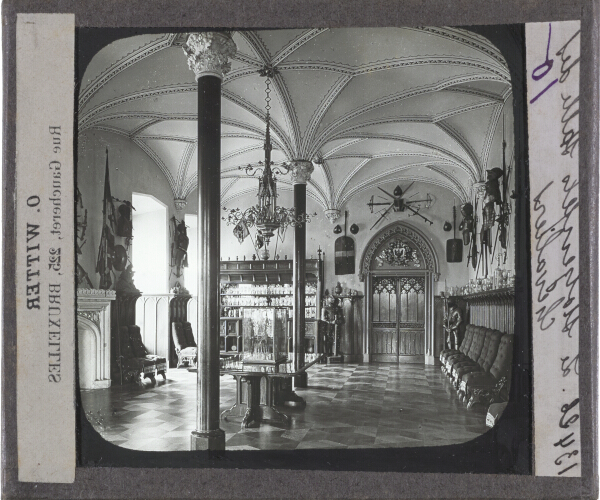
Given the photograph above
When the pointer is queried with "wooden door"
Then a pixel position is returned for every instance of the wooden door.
(411, 317)
(384, 319)
(398, 318)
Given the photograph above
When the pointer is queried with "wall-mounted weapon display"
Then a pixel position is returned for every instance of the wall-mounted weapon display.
(179, 246)
(468, 228)
(106, 251)
(112, 257)
(505, 207)
(344, 252)
(493, 197)
(398, 203)
(80, 240)
(124, 220)
(454, 246)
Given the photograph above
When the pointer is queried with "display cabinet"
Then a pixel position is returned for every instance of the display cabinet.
(230, 339)
(268, 284)
(235, 297)
(265, 333)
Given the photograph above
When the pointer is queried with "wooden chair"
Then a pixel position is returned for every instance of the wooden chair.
(185, 345)
(137, 363)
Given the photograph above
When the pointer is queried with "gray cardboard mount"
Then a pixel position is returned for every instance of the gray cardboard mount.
(214, 482)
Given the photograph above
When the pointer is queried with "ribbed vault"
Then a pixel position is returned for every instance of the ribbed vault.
(371, 107)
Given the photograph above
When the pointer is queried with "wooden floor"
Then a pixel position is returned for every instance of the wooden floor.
(348, 406)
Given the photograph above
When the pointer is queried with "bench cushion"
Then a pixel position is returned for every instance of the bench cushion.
(189, 351)
(477, 344)
(460, 372)
(479, 380)
(490, 349)
(467, 340)
(139, 365)
(503, 362)
(464, 346)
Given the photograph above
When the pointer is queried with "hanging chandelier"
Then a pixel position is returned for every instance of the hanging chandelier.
(266, 217)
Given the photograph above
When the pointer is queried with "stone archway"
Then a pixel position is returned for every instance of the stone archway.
(422, 264)
(407, 231)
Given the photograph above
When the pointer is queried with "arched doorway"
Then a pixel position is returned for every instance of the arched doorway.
(399, 267)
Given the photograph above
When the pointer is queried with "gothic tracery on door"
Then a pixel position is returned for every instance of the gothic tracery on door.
(398, 318)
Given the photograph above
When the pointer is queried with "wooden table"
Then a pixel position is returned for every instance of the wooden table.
(252, 410)
(261, 396)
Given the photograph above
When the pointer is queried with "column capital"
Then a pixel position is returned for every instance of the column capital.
(301, 170)
(332, 214)
(180, 204)
(208, 53)
(479, 189)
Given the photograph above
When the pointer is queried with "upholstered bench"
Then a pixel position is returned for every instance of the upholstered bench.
(486, 387)
(473, 352)
(483, 363)
(185, 345)
(463, 348)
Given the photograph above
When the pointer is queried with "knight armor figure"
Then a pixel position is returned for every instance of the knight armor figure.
(453, 320)
(467, 224)
(491, 199)
(330, 314)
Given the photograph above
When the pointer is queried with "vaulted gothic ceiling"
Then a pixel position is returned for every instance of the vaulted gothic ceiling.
(368, 106)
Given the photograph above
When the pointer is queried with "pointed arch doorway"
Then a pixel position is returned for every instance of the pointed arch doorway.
(399, 268)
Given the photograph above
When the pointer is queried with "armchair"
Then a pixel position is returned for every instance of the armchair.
(185, 345)
(136, 363)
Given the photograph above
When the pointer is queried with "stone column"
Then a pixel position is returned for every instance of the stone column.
(301, 170)
(208, 56)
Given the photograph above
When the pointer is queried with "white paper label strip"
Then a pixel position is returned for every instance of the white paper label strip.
(45, 287)
(553, 115)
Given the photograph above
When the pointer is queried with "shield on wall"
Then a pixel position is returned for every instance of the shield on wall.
(344, 255)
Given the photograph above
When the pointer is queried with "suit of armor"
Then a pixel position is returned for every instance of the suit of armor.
(467, 224)
(453, 321)
(331, 315)
(491, 199)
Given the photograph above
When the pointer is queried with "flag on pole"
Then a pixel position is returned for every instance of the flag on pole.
(105, 252)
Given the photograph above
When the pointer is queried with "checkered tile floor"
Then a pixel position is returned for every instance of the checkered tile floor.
(348, 406)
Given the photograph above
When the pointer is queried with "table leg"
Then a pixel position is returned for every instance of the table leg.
(273, 415)
(238, 398)
(252, 416)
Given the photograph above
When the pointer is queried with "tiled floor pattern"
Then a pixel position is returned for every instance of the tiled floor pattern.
(348, 406)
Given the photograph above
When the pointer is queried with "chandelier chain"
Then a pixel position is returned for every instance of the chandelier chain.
(268, 219)
(268, 97)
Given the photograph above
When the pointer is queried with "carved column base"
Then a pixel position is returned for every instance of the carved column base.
(431, 360)
(208, 440)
